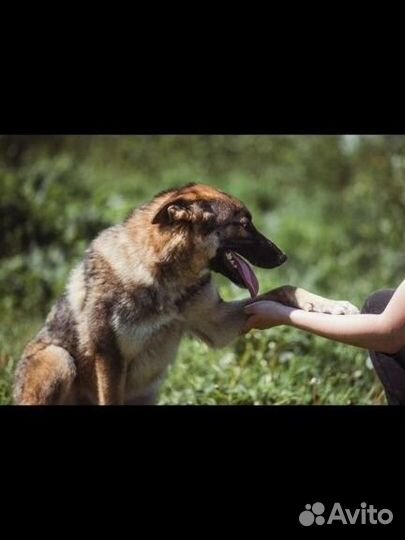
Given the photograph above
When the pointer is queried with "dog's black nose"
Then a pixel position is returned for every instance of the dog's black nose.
(282, 258)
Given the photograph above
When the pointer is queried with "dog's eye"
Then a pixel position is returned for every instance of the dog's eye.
(244, 223)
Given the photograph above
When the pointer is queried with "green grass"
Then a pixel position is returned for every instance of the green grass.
(337, 214)
(279, 366)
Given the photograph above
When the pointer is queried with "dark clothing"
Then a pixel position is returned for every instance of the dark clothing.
(390, 368)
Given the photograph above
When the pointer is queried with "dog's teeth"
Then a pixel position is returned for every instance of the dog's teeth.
(230, 258)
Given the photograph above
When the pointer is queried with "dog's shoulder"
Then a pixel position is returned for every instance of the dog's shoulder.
(126, 255)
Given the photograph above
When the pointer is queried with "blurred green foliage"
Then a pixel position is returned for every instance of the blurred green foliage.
(334, 204)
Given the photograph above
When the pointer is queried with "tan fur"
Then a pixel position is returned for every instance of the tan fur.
(51, 364)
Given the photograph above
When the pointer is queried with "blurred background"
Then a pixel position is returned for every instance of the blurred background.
(334, 204)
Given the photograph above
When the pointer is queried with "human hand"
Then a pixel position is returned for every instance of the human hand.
(265, 314)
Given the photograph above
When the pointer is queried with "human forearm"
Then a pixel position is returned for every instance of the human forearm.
(366, 330)
(383, 332)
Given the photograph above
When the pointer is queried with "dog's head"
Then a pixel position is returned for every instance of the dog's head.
(222, 226)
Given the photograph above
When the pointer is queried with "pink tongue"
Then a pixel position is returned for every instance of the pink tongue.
(247, 275)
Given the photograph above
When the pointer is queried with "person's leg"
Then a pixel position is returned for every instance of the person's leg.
(390, 368)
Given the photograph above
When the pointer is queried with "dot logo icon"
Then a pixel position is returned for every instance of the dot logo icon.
(312, 514)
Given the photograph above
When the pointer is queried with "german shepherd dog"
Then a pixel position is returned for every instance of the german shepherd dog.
(141, 286)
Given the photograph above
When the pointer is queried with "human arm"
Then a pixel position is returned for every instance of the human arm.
(383, 332)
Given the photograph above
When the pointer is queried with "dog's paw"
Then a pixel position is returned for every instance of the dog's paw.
(334, 307)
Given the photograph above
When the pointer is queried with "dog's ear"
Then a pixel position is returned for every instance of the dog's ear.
(172, 211)
(182, 210)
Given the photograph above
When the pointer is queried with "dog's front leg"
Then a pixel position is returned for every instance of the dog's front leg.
(219, 322)
(300, 298)
(228, 321)
(110, 380)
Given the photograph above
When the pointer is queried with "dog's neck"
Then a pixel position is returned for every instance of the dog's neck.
(186, 294)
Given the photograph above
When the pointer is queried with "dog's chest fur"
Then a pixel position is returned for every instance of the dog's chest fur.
(147, 354)
(147, 347)
(148, 325)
